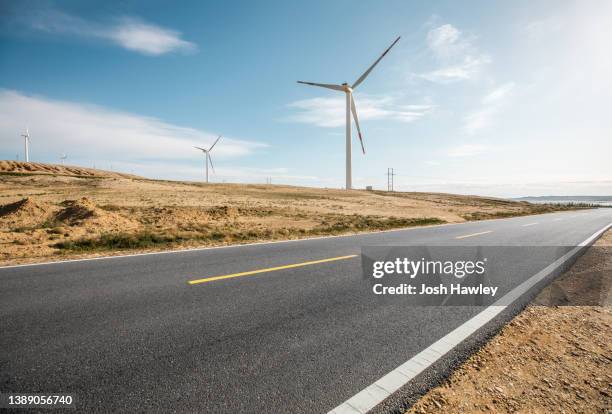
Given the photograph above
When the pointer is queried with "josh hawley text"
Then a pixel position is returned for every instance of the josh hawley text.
(453, 289)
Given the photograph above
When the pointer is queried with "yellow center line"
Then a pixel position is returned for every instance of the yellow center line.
(474, 234)
(269, 269)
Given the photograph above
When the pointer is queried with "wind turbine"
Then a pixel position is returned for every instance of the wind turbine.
(207, 157)
(26, 144)
(63, 157)
(350, 107)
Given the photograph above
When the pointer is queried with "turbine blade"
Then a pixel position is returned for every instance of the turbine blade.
(215, 143)
(211, 164)
(201, 149)
(324, 85)
(367, 72)
(354, 111)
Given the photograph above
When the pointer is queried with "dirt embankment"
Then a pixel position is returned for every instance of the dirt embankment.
(19, 167)
(549, 359)
(56, 211)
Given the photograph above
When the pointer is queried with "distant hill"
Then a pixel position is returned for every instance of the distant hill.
(602, 200)
(34, 168)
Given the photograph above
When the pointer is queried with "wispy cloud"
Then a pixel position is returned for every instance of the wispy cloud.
(458, 57)
(90, 132)
(466, 150)
(128, 32)
(446, 41)
(477, 120)
(539, 29)
(468, 69)
(498, 94)
(490, 106)
(331, 111)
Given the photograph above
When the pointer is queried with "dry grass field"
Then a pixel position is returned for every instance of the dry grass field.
(51, 211)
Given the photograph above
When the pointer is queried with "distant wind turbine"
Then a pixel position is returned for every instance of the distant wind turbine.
(63, 157)
(350, 107)
(207, 157)
(26, 144)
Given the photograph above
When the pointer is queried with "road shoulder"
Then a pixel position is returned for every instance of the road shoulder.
(554, 356)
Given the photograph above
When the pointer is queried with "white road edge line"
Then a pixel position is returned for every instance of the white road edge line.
(529, 224)
(465, 236)
(375, 393)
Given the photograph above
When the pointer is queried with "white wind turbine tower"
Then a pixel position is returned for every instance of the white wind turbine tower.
(26, 144)
(63, 157)
(207, 157)
(350, 107)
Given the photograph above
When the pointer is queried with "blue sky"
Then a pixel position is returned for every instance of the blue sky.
(503, 99)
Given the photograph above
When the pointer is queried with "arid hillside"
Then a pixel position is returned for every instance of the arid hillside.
(19, 167)
(56, 211)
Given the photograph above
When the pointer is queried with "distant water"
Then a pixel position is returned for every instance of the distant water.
(598, 200)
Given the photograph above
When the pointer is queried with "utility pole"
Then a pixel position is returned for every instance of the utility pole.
(390, 179)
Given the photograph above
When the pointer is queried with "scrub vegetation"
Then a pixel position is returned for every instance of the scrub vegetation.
(50, 210)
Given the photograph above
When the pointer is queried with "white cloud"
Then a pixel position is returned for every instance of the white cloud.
(446, 41)
(458, 57)
(499, 93)
(492, 103)
(470, 68)
(478, 120)
(127, 32)
(89, 132)
(539, 29)
(331, 111)
(147, 38)
(466, 150)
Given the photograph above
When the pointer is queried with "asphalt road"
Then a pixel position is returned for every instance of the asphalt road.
(131, 334)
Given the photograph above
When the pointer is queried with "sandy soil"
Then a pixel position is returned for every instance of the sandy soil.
(18, 167)
(549, 359)
(49, 211)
